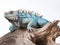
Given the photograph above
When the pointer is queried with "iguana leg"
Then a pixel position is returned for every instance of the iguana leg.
(42, 22)
(12, 28)
(29, 26)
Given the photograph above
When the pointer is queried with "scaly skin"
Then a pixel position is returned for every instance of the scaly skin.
(24, 19)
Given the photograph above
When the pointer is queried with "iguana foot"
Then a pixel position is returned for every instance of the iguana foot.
(11, 28)
(30, 29)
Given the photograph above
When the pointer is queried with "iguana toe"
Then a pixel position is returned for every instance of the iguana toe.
(30, 29)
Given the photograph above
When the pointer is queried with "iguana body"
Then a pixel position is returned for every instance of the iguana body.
(22, 19)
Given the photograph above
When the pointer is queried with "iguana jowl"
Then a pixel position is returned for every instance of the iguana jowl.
(22, 19)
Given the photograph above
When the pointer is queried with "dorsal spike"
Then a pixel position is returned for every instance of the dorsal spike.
(36, 14)
(41, 15)
(25, 11)
(29, 12)
(18, 11)
(33, 13)
(22, 11)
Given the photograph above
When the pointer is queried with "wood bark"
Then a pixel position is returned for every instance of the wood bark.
(43, 36)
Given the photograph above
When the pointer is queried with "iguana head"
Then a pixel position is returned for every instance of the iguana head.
(11, 15)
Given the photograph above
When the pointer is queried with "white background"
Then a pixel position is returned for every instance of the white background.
(50, 9)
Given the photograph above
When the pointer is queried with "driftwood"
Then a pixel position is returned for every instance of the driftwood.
(42, 36)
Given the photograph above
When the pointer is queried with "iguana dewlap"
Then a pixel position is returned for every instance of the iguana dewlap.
(24, 19)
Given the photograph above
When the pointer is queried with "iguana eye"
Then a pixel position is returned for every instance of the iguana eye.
(11, 12)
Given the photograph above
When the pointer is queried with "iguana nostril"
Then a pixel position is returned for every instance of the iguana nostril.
(11, 12)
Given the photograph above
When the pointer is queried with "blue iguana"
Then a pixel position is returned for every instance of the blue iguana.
(24, 19)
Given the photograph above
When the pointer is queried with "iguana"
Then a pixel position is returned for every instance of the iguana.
(24, 19)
